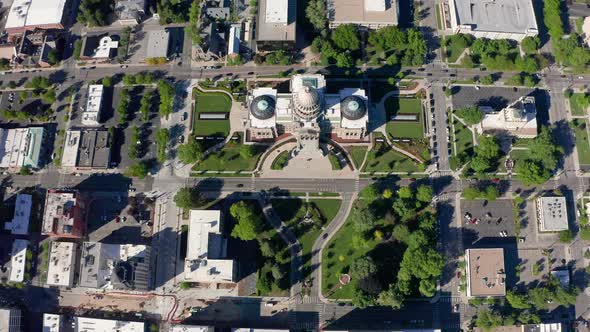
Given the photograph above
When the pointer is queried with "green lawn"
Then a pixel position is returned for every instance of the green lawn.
(383, 159)
(357, 153)
(577, 104)
(216, 102)
(291, 212)
(229, 159)
(453, 52)
(464, 139)
(582, 143)
(337, 257)
(438, 17)
(280, 161)
(407, 129)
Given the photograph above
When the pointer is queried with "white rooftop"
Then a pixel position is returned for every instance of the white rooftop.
(14, 148)
(234, 40)
(58, 206)
(205, 247)
(508, 16)
(19, 225)
(518, 118)
(52, 323)
(18, 260)
(70, 151)
(277, 11)
(105, 45)
(552, 214)
(375, 5)
(91, 115)
(10, 320)
(84, 324)
(61, 264)
(35, 12)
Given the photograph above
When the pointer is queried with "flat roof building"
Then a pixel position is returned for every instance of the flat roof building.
(543, 327)
(10, 320)
(59, 323)
(19, 225)
(130, 12)
(233, 47)
(62, 264)
(91, 115)
(21, 147)
(35, 14)
(518, 119)
(276, 26)
(158, 42)
(53, 323)
(64, 214)
(18, 260)
(115, 266)
(86, 149)
(497, 19)
(206, 248)
(371, 14)
(191, 328)
(552, 214)
(486, 276)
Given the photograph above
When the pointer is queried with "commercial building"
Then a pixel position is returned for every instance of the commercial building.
(64, 214)
(493, 19)
(518, 119)
(35, 14)
(206, 248)
(276, 26)
(130, 12)
(21, 147)
(86, 149)
(551, 213)
(91, 114)
(370, 14)
(233, 47)
(307, 112)
(191, 328)
(62, 264)
(59, 323)
(18, 260)
(158, 43)
(543, 327)
(10, 320)
(115, 266)
(19, 225)
(486, 276)
(99, 47)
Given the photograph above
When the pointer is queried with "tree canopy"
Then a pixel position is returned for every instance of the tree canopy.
(188, 198)
(248, 223)
(346, 37)
(316, 14)
(94, 12)
(470, 114)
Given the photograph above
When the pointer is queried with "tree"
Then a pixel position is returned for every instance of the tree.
(247, 151)
(94, 12)
(487, 147)
(172, 11)
(530, 44)
(370, 193)
(390, 298)
(566, 236)
(518, 301)
(166, 91)
(345, 37)
(470, 114)
(77, 49)
(427, 287)
(138, 170)
(531, 172)
(194, 14)
(276, 272)
(25, 170)
(424, 193)
(154, 327)
(544, 149)
(266, 249)
(528, 64)
(362, 299)
(249, 224)
(362, 219)
(488, 320)
(344, 60)
(316, 14)
(404, 208)
(188, 198)
(480, 164)
(362, 267)
(401, 233)
(487, 80)
(190, 152)
(53, 57)
(107, 81)
(552, 18)
(405, 193)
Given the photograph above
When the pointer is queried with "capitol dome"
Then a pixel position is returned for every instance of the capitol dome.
(308, 103)
(263, 107)
(353, 107)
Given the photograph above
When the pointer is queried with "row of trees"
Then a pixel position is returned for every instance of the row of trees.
(501, 54)
(95, 12)
(570, 50)
(406, 47)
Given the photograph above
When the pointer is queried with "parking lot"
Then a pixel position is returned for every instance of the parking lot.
(495, 221)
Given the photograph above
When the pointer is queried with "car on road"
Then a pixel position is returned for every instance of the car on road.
(240, 185)
(456, 307)
(468, 216)
(477, 87)
(184, 116)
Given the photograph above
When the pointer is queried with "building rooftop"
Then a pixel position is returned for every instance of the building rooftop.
(52, 323)
(363, 12)
(10, 320)
(62, 264)
(518, 118)
(158, 41)
(206, 247)
(508, 16)
(276, 20)
(63, 212)
(25, 13)
(91, 115)
(84, 324)
(19, 225)
(114, 266)
(18, 260)
(234, 40)
(552, 214)
(130, 9)
(87, 149)
(486, 275)
(191, 328)
(21, 147)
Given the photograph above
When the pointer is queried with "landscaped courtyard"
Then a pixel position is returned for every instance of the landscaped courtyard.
(234, 156)
(357, 153)
(404, 105)
(382, 158)
(208, 103)
(463, 138)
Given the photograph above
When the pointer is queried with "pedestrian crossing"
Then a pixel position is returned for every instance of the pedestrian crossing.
(307, 300)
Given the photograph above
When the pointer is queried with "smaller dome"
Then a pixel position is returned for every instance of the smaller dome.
(308, 98)
(353, 107)
(263, 107)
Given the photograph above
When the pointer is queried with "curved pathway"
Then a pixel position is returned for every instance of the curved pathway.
(322, 241)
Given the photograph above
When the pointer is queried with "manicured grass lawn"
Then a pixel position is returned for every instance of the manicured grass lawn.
(280, 161)
(383, 159)
(577, 104)
(291, 211)
(206, 102)
(408, 129)
(229, 159)
(337, 257)
(519, 155)
(453, 51)
(582, 143)
(464, 139)
(357, 153)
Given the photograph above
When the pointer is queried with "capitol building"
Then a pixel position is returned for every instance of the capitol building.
(307, 112)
